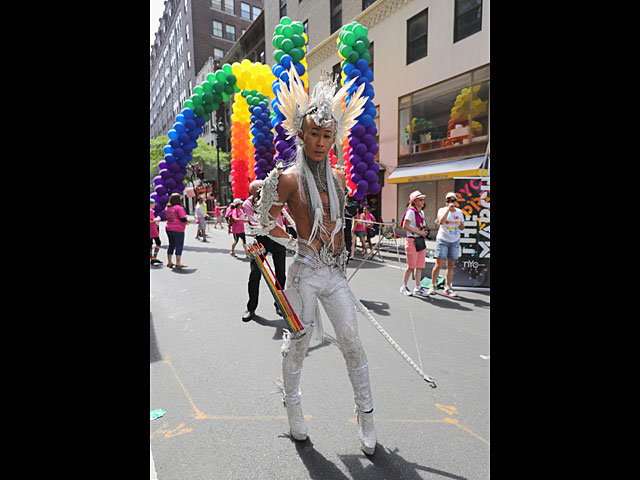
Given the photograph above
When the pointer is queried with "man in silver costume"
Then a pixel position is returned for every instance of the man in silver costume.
(315, 194)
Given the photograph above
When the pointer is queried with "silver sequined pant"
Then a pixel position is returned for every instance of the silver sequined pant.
(329, 286)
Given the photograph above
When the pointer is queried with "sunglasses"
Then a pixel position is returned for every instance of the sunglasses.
(450, 200)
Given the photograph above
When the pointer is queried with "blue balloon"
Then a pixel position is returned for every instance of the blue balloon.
(286, 61)
(190, 123)
(200, 121)
(299, 68)
(178, 153)
(362, 64)
(187, 112)
(257, 111)
(173, 135)
(169, 158)
(277, 70)
(180, 128)
(167, 149)
(180, 118)
(183, 137)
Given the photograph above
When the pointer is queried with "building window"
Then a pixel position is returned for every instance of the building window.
(186, 31)
(245, 11)
(256, 11)
(217, 4)
(189, 59)
(468, 19)
(451, 113)
(231, 32)
(218, 53)
(371, 55)
(336, 15)
(229, 7)
(283, 8)
(367, 3)
(417, 36)
(217, 29)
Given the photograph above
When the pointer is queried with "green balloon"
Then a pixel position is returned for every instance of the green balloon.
(278, 30)
(207, 86)
(296, 54)
(196, 99)
(236, 89)
(353, 57)
(199, 111)
(285, 20)
(211, 77)
(287, 45)
(199, 90)
(226, 68)
(218, 86)
(277, 41)
(231, 79)
(216, 106)
(366, 56)
(225, 96)
(254, 101)
(217, 97)
(298, 27)
(208, 108)
(358, 30)
(228, 88)
(287, 31)
(207, 97)
(189, 104)
(360, 47)
(277, 55)
(349, 39)
(221, 76)
(363, 39)
(298, 40)
(345, 50)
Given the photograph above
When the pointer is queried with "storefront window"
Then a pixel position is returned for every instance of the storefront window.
(439, 116)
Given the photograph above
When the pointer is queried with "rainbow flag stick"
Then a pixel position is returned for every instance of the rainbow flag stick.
(257, 253)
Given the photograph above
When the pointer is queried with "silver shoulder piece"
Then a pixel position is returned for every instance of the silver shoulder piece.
(268, 198)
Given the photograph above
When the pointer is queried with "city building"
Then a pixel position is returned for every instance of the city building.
(190, 32)
(431, 67)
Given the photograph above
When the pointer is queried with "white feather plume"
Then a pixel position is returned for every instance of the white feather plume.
(293, 103)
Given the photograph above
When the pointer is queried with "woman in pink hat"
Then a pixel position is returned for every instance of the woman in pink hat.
(413, 222)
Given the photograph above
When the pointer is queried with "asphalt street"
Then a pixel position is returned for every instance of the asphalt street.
(213, 376)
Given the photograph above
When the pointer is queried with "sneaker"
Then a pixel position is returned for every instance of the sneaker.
(405, 291)
(421, 292)
(432, 289)
(449, 292)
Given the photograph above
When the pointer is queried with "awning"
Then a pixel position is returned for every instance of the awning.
(468, 167)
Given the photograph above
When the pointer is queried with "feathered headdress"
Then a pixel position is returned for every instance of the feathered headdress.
(323, 106)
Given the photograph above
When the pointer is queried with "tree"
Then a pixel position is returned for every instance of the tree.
(205, 155)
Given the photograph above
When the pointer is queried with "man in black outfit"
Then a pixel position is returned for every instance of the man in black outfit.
(278, 254)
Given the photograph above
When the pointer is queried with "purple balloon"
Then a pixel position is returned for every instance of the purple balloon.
(363, 185)
(368, 157)
(355, 159)
(160, 190)
(174, 167)
(374, 188)
(358, 130)
(361, 167)
(354, 142)
(355, 177)
(170, 183)
(360, 149)
(359, 195)
(373, 148)
(368, 139)
(288, 153)
(374, 167)
(163, 165)
(370, 176)
(372, 130)
(158, 180)
(165, 174)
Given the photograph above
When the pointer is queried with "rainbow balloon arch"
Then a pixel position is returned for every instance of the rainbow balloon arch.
(258, 140)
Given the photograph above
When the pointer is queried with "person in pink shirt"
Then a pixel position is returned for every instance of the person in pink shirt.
(218, 216)
(359, 228)
(176, 224)
(237, 218)
(155, 236)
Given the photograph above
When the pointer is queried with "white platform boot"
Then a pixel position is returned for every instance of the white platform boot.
(366, 432)
(296, 422)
